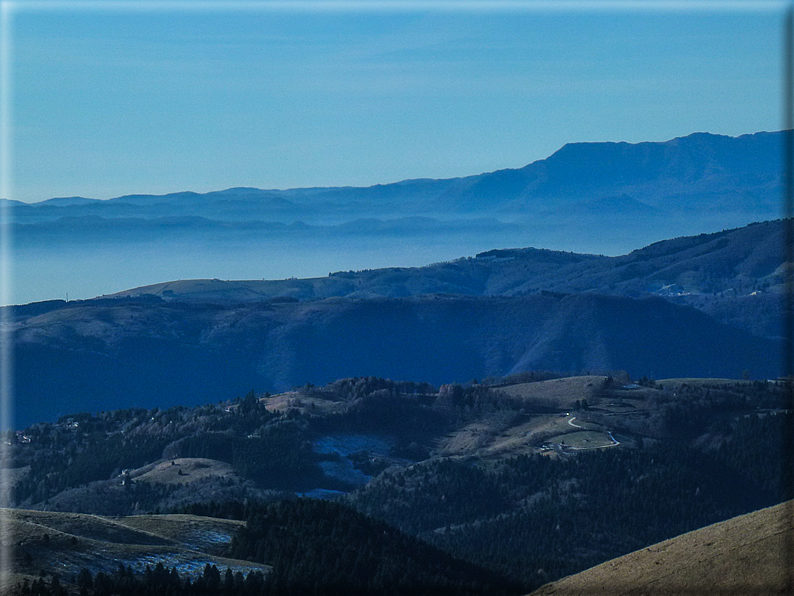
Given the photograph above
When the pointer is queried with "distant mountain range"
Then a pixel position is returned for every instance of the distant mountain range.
(684, 176)
(601, 198)
(701, 306)
(527, 476)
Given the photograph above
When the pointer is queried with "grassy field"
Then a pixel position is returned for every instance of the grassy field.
(581, 440)
(743, 555)
(549, 418)
(63, 543)
(303, 403)
(698, 382)
(477, 438)
(204, 534)
(184, 470)
(503, 437)
(558, 393)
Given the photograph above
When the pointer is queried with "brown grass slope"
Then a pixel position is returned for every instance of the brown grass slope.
(747, 555)
(184, 470)
(44, 542)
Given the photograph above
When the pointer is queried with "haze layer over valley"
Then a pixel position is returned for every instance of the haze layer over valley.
(494, 422)
(314, 298)
(707, 306)
(601, 198)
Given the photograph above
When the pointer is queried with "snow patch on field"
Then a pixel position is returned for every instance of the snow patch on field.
(343, 446)
(187, 564)
(342, 469)
(201, 539)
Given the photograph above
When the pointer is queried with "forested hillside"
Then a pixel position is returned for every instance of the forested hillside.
(719, 266)
(125, 353)
(528, 478)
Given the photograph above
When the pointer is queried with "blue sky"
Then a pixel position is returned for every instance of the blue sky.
(118, 101)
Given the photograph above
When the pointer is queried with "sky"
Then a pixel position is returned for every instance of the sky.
(113, 99)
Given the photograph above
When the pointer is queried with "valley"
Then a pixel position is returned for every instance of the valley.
(493, 424)
(703, 306)
(402, 298)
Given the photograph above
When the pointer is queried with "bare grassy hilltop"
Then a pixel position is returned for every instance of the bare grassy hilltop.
(750, 554)
(57, 543)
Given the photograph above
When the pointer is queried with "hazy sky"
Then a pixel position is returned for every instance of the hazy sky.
(188, 97)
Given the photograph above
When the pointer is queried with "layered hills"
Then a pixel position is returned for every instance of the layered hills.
(738, 261)
(177, 554)
(522, 477)
(735, 275)
(696, 306)
(97, 356)
(597, 198)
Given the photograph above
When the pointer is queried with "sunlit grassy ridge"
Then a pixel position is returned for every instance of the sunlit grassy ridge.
(748, 554)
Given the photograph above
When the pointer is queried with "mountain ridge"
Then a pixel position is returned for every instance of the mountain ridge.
(600, 198)
(709, 271)
(593, 163)
(119, 353)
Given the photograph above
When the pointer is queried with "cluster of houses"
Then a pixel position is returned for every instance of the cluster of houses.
(22, 437)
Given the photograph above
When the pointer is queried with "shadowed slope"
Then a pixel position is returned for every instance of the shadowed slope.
(161, 354)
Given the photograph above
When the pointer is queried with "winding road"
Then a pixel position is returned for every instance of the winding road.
(615, 442)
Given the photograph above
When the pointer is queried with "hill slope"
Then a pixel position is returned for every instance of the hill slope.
(733, 275)
(123, 352)
(64, 543)
(739, 261)
(749, 554)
